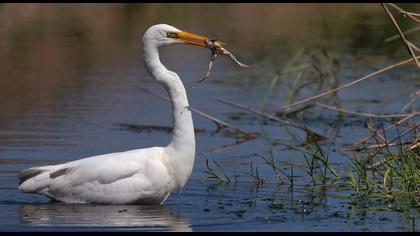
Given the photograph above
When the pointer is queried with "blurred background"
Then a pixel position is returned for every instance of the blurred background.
(48, 50)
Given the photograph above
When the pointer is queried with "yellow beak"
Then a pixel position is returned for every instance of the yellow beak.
(193, 39)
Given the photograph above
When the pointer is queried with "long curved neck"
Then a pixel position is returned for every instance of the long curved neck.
(182, 147)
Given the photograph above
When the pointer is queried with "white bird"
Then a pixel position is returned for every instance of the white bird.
(141, 176)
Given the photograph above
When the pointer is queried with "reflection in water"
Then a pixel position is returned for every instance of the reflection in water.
(81, 215)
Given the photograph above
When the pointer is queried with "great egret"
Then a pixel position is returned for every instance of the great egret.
(141, 176)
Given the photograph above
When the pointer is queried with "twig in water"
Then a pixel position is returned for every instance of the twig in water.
(361, 113)
(220, 124)
(309, 132)
(290, 113)
(396, 36)
(382, 145)
(352, 147)
(414, 46)
(225, 146)
(402, 11)
(410, 50)
(348, 84)
(375, 132)
(379, 163)
(415, 145)
(413, 98)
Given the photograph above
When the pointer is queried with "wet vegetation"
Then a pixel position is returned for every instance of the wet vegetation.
(387, 170)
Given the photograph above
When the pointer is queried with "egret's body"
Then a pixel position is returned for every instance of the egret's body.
(141, 176)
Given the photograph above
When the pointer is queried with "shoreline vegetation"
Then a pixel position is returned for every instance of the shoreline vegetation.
(379, 166)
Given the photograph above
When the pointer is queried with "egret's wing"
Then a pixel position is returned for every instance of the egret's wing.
(105, 169)
(132, 176)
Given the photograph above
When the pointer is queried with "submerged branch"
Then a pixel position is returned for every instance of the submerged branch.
(219, 123)
(402, 11)
(349, 84)
(361, 113)
(382, 145)
(396, 36)
(410, 50)
(271, 117)
(363, 140)
(379, 163)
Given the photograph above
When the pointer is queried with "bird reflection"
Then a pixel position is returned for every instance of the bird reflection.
(82, 215)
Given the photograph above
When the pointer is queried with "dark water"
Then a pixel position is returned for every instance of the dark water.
(66, 90)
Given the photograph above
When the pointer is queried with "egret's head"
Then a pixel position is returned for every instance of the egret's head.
(163, 34)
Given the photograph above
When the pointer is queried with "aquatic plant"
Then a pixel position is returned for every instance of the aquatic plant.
(255, 175)
(211, 174)
(398, 176)
(387, 169)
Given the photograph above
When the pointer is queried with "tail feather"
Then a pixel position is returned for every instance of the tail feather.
(32, 179)
(29, 173)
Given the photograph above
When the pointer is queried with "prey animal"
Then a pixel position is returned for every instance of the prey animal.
(216, 47)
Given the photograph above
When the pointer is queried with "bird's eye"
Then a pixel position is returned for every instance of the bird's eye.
(172, 35)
